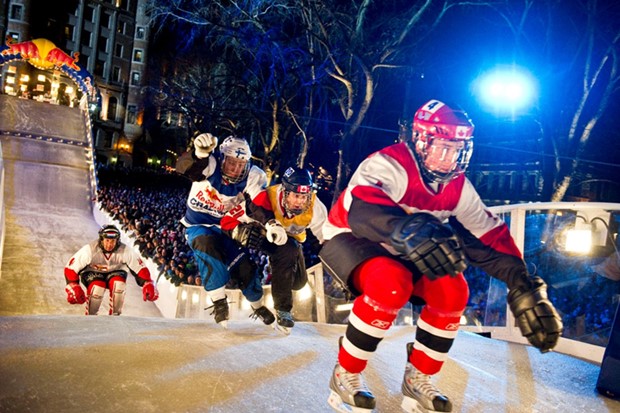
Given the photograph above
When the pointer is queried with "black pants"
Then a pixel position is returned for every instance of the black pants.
(288, 272)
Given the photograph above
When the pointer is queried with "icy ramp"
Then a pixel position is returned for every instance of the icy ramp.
(129, 364)
(47, 205)
(39, 118)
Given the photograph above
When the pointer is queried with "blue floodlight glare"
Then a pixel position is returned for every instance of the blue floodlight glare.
(506, 89)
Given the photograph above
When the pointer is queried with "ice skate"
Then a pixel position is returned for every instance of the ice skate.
(349, 393)
(220, 312)
(264, 314)
(285, 322)
(419, 394)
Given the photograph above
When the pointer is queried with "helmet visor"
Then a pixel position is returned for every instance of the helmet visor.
(296, 203)
(444, 159)
(443, 155)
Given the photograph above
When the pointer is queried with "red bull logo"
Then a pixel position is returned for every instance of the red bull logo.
(212, 194)
(42, 54)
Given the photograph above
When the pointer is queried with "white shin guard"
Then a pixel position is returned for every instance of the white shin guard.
(95, 298)
(117, 297)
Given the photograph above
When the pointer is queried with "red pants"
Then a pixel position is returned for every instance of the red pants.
(386, 286)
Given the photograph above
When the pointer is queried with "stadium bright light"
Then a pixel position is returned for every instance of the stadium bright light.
(506, 89)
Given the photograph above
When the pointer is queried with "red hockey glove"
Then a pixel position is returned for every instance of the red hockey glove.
(149, 292)
(75, 294)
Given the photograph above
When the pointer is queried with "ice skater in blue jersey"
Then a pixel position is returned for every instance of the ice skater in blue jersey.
(221, 179)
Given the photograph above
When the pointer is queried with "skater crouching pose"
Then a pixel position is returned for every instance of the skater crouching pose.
(102, 265)
(387, 243)
(290, 208)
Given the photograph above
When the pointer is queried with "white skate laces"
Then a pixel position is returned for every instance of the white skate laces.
(349, 392)
(421, 395)
(352, 382)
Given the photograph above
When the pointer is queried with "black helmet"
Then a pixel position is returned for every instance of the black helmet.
(109, 232)
(298, 181)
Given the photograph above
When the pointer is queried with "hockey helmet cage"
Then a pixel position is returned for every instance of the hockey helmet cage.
(235, 148)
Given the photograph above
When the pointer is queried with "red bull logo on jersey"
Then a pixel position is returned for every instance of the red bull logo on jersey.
(212, 194)
(209, 201)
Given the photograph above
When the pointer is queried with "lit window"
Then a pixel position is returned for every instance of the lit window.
(138, 55)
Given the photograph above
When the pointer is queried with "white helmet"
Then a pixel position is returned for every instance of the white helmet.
(235, 148)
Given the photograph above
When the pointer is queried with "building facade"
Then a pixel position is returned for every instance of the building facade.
(111, 40)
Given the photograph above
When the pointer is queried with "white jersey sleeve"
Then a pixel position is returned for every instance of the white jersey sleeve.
(319, 217)
(473, 214)
(257, 181)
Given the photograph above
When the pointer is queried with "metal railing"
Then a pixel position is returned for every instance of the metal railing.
(586, 299)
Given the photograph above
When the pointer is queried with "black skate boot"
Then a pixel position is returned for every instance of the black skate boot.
(220, 312)
(419, 394)
(349, 393)
(264, 314)
(285, 322)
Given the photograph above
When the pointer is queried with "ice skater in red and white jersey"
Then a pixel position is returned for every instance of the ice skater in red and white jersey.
(103, 264)
(388, 242)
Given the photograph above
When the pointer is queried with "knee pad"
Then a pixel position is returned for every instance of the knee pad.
(96, 290)
(449, 294)
(300, 278)
(385, 281)
(117, 296)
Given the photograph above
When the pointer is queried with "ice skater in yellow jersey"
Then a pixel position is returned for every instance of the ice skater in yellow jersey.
(275, 222)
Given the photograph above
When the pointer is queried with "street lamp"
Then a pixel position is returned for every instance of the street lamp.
(506, 89)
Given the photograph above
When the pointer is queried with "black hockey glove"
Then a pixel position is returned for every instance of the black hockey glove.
(249, 235)
(536, 317)
(431, 246)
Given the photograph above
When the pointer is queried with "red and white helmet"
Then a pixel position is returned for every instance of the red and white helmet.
(440, 131)
(235, 148)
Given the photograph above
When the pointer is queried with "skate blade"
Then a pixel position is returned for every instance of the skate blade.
(336, 403)
(282, 330)
(223, 324)
(410, 405)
